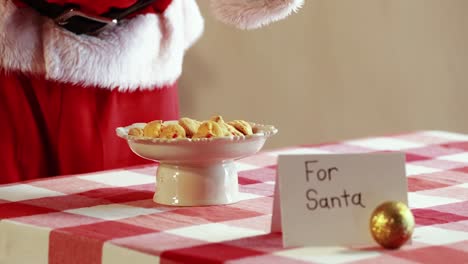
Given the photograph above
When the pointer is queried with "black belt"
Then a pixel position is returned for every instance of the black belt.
(71, 18)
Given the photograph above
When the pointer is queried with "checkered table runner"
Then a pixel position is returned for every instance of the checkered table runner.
(109, 217)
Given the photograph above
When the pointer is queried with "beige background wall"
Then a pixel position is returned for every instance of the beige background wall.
(336, 70)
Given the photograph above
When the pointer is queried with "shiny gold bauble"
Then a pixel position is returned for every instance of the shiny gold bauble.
(392, 224)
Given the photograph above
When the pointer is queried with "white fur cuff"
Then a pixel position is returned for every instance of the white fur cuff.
(251, 14)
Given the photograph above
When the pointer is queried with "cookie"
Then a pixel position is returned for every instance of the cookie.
(217, 119)
(136, 132)
(233, 131)
(242, 126)
(152, 129)
(190, 125)
(172, 131)
(228, 129)
(209, 129)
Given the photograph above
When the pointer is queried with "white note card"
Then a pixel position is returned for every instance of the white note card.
(327, 200)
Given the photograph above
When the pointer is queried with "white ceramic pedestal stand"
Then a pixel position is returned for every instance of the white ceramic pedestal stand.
(197, 184)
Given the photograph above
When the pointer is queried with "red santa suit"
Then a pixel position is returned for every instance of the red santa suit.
(63, 94)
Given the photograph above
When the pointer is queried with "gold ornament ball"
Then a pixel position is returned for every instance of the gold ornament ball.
(392, 224)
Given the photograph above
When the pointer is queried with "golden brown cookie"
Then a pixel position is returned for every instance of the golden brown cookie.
(172, 131)
(190, 125)
(233, 131)
(228, 130)
(209, 129)
(136, 132)
(153, 129)
(217, 118)
(242, 126)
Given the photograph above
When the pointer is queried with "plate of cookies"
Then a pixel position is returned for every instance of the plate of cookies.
(196, 158)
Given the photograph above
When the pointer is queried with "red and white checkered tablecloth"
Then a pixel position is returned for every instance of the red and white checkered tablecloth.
(109, 217)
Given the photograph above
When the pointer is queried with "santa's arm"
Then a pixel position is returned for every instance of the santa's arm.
(143, 52)
(244, 14)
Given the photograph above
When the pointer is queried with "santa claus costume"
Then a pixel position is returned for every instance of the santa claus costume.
(71, 71)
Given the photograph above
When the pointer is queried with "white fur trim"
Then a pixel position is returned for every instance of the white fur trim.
(251, 14)
(144, 52)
